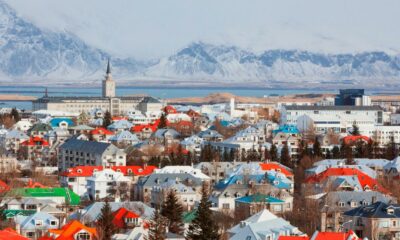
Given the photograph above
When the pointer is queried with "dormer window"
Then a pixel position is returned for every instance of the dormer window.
(79, 171)
(341, 204)
(38, 222)
(390, 211)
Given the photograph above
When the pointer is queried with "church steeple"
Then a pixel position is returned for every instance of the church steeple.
(108, 86)
(108, 67)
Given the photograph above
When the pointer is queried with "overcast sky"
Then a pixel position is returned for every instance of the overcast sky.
(156, 28)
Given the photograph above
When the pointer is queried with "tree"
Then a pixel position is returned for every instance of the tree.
(347, 153)
(356, 130)
(107, 119)
(83, 118)
(105, 224)
(15, 115)
(172, 210)
(267, 155)
(157, 227)
(328, 154)
(335, 152)
(273, 152)
(317, 148)
(285, 156)
(391, 150)
(163, 121)
(203, 226)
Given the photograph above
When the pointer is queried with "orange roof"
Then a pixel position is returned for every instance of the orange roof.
(334, 236)
(120, 215)
(32, 184)
(277, 167)
(87, 171)
(352, 139)
(68, 231)
(363, 178)
(11, 234)
(35, 141)
(4, 187)
(101, 131)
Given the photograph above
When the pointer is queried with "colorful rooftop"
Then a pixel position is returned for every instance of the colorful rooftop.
(259, 198)
(70, 197)
(87, 171)
(289, 129)
(68, 231)
(274, 166)
(11, 234)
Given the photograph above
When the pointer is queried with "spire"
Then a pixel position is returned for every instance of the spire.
(46, 94)
(108, 67)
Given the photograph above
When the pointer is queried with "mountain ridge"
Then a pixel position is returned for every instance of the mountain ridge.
(31, 54)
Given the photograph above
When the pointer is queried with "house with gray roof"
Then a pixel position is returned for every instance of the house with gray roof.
(333, 204)
(12, 140)
(36, 225)
(125, 138)
(375, 221)
(75, 152)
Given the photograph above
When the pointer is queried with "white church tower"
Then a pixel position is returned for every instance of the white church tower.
(108, 83)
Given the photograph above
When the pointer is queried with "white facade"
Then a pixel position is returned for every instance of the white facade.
(102, 182)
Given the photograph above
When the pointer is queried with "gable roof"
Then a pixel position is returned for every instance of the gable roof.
(4, 187)
(87, 171)
(71, 197)
(375, 210)
(276, 167)
(350, 235)
(120, 215)
(55, 122)
(68, 231)
(28, 222)
(101, 131)
(35, 141)
(74, 144)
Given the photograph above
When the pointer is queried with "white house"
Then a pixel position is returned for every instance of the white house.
(107, 183)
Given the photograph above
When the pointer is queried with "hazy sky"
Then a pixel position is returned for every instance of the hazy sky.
(155, 28)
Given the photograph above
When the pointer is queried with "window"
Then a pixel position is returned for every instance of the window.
(248, 238)
(38, 222)
(53, 223)
(83, 236)
(30, 234)
(341, 204)
(225, 205)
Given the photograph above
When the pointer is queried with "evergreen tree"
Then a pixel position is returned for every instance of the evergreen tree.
(157, 227)
(163, 121)
(243, 155)
(172, 210)
(107, 120)
(273, 152)
(356, 130)
(317, 148)
(203, 226)
(285, 156)
(15, 115)
(391, 150)
(179, 156)
(267, 155)
(226, 156)
(232, 155)
(347, 153)
(104, 223)
(335, 152)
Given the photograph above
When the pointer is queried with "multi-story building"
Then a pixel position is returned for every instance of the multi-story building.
(338, 118)
(108, 183)
(76, 152)
(107, 102)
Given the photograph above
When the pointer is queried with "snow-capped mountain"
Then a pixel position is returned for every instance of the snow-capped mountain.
(200, 60)
(28, 53)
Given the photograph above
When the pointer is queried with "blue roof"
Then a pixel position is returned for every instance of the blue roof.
(55, 122)
(290, 129)
(259, 198)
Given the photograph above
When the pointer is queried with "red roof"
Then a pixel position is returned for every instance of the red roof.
(170, 109)
(277, 167)
(334, 236)
(120, 215)
(293, 238)
(193, 113)
(118, 118)
(4, 187)
(101, 131)
(35, 141)
(352, 139)
(87, 171)
(68, 231)
(11, 234)
(364, 179)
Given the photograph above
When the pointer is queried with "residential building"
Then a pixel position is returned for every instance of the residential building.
(73, 230)
(376, 221)
(35, 225)
(108, 183)
(76, 152)
(263, 226)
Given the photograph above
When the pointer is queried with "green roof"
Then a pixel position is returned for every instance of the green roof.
(70, 197)
(12, 213)
(188, 217)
